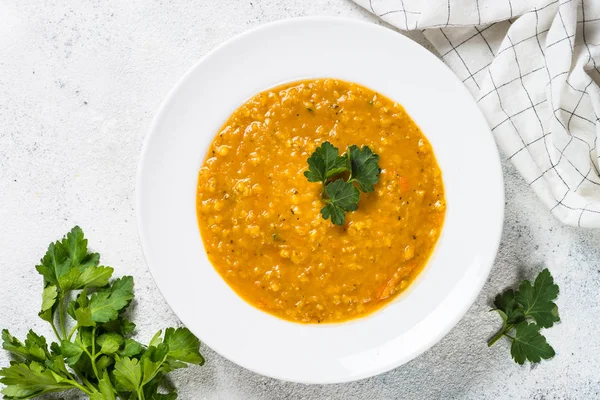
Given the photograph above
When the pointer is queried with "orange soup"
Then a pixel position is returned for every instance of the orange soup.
(259, 216)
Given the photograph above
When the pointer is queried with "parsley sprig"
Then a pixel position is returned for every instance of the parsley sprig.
(325, 165)
(524, 312)
(94, 352)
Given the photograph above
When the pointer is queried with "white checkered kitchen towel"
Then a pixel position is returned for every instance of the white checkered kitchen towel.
(534, 68)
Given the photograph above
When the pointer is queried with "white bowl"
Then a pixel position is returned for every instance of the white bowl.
(384, 61)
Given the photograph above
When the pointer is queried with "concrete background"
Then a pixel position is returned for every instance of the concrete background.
(79, 84)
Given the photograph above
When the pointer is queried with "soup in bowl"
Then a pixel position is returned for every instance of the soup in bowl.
(260, 216)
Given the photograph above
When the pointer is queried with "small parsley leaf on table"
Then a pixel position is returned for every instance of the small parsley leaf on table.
(537, 300)
(529, 344)
(524, 312)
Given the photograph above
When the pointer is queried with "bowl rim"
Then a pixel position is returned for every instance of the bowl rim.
(461, 303)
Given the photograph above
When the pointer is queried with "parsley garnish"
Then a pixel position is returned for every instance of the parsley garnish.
(523, 313)
(95, 352)
(341, 196)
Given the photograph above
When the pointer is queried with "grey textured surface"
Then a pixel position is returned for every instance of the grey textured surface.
(79, 84)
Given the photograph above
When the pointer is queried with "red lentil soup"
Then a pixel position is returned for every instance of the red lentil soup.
(259, 216)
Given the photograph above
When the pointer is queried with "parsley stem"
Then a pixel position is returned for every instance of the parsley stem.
(93, 362)
(93, 358)
(78, 386)
(94, 343)
(93, 354)
(61, 315)
(54, 328)
(72, 332)
(83, 379)
(140, 394)
(500, 334)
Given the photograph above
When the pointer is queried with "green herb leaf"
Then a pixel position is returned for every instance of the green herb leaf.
(337, 215)
(56, 363)
(76, 247)
(121, 325)
(106, 388)
(364, 167)
(128, 374)
(132, 348)
(530, 344)
(54, 264)
(151, 389)
(537, 300)
(34, 348)
(341, 197)
(91, 277)
(325, 163)
(84, 317)
(105, 304)
(127, 327)
(506, 305)
(109, 342)
(25, 381)
(104, 362)
(183, 345)
(71, 352)
(152, 360)
(65, 256)
(49, 295)
(156, 340)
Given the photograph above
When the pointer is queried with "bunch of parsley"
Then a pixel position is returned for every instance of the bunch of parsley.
(94, 353)
(340, 196)
(524, 312)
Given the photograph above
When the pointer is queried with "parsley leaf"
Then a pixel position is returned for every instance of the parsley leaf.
(24, 381)
(128, 374)
(183, 345)
(325, 163)
(65, 260)
(34, 348)
(524, 312)
(109, 342)
(364, 168)
(106, 389)
(71, 352)
(49, 295)
(105, 304)
(508, 308)
(341, 197)
(537, 300)
(529, 344)
(131, 348)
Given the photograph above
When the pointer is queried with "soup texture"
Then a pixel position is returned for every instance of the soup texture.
(259, 216)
